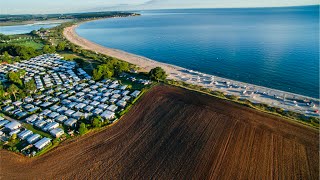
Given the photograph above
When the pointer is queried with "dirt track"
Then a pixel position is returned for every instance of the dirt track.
(177, 134)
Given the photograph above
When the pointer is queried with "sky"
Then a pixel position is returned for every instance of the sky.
(64, 6)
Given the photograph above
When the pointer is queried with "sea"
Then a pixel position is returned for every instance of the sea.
(272, 47)
(23, 29)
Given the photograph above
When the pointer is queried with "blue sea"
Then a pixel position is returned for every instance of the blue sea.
(23, 29)
(272, 47)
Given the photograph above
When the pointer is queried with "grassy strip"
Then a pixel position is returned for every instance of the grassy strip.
(46, 149)
(31, 128)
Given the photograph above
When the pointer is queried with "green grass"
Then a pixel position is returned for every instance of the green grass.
(68, 55)
(31, 128)
(46, 149)
(30, 43)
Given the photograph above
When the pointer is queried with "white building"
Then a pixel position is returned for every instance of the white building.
(13, 125)
(33, 138)
(57, 132)
(42, 143)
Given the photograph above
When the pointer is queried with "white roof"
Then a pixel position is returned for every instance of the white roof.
(13, 125)
(33, 138)
(70, 122)
(112, 107)
(42, 143)
(24, 134)
(57, 132)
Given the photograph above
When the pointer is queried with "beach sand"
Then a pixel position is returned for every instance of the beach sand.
(244, 90)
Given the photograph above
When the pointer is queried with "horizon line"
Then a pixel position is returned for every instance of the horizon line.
(80, 12)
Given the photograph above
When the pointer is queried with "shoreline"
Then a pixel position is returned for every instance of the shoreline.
(34, 22)
(254, 93)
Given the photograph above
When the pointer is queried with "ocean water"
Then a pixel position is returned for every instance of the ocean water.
(22, 29)
(272, 47)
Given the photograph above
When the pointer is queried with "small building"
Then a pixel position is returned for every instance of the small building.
(61, 118)
(135, 93)
(80, 106)
(57, 132)
(42, 143)
(13, 125)
(94, 103)
(112, 108)
(28, 100)
(24, 134)
(14, 132)
(17, 103)
(126, 98)
(45, 112)
(70, 122)
(39, 123)
(8, 108)
(108, 115)
(53, 115)
(51, 126)
(3, 122)
(33, 110)
(88, 108)
(69, 112)
(124, 93)
(123, 87)
(62, 109)
(33, 138)
(122, 103)
(115, 96)
(54, 107)
(103, 106)
(103, 100)
(78, 115)
(97, 111)
(31, 118)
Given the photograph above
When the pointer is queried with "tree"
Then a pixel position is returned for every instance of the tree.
(157, 74)
(61, 46)
(34, 32)
(83, 129)
(16, 59)
(3, 93)
(104, 70)
(48, 49)
(6, 57)
(15, 77)
(97, 122)
(13, 137)
(97, 74)
(121, 67)
(13, 90)
(30, 87)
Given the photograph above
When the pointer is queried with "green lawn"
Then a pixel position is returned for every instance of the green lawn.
(68, 56)
(30, 43)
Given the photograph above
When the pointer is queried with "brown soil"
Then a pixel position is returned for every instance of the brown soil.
(178, 134)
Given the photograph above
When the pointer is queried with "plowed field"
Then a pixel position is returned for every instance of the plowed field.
(173, 133)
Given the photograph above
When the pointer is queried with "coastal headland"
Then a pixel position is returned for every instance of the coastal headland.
(254, 93)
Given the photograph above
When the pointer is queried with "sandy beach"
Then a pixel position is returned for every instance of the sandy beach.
(254, 93)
